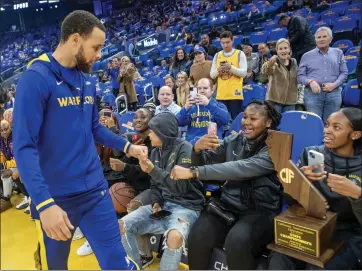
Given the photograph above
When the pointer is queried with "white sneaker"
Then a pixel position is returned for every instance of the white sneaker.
(85, 249)
(77, 234)
(23, 204)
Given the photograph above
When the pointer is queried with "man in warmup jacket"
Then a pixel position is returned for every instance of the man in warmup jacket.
(56, 129)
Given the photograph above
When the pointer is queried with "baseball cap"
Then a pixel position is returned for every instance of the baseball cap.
(199, 49)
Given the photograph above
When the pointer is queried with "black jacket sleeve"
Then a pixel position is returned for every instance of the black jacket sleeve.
(210, 156)
(296, 30)
(357, 209)
(258, 165)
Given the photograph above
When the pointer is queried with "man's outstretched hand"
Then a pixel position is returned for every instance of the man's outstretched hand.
(139, 152)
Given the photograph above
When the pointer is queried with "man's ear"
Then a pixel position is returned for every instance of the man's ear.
(76, 39)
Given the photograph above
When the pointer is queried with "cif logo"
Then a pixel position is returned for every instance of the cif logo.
(220, 266)
(286, 175)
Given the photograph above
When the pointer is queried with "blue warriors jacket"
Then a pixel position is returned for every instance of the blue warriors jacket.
(55, 131)
(197, 119)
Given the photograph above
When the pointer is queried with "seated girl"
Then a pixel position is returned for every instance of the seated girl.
(340, 183)
(250, 197)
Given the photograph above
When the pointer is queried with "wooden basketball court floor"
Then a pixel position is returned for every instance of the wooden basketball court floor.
(18, 243)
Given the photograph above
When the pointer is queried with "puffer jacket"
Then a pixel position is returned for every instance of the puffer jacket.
(252, 183)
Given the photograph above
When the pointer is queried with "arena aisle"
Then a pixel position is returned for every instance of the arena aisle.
(18, 242)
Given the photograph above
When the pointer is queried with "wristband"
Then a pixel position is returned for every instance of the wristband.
(194, 171)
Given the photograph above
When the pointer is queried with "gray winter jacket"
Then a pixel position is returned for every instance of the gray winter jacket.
(252, 182)
(174, 151)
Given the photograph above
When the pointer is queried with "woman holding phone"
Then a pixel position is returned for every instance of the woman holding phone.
(282, 73)
(250, 196)
(339, 180)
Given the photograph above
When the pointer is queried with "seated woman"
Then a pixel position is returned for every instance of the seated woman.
(340, 183)
(251, 195)
(10, 172)
(183, 88)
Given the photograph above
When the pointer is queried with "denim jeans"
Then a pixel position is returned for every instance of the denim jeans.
(281, 108)
(139, 222)
(324, 103)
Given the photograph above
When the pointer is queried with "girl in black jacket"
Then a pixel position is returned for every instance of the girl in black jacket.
(340, 184)
(251, 194)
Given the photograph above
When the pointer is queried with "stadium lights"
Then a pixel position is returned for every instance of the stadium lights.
(2, 9)
(43, 2)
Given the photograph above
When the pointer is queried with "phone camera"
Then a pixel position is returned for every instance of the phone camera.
(312, 155)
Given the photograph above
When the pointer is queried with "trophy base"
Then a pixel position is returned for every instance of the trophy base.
(334, 246)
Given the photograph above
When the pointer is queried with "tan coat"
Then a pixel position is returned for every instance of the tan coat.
(199, 71)
(283, 85)
(126, 78)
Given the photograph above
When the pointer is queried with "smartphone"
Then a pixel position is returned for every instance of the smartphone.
(161, 215)
(212, 129)
(193, 92)
(107, 114)
(315, 158)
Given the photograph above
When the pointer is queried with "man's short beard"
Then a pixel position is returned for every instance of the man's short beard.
(82, 64)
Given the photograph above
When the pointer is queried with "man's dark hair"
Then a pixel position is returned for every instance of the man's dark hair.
(282, 17)
(226, 34)
(81, 22)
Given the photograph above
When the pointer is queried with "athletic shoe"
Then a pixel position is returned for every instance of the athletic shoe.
(146, 261)
(23, 204)
(5, 204)
(77, 234)
(85, 249)
(27, 210)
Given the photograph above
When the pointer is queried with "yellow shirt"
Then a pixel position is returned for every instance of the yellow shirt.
(7, 163)
(229, 86)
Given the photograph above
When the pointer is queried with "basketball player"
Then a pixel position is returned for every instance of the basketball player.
(56, 128)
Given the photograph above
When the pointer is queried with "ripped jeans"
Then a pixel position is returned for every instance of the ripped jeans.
(139, 222)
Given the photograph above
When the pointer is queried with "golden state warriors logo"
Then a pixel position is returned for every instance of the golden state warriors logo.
(225, 74)
(286, 175)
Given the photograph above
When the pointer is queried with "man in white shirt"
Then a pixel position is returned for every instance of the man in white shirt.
(165, 96)
(229, 67)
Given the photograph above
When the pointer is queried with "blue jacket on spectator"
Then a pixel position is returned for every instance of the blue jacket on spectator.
(114, 72)
(55, 144)
(197, 118)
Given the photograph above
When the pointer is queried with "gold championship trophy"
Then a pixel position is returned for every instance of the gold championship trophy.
(305, 230)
